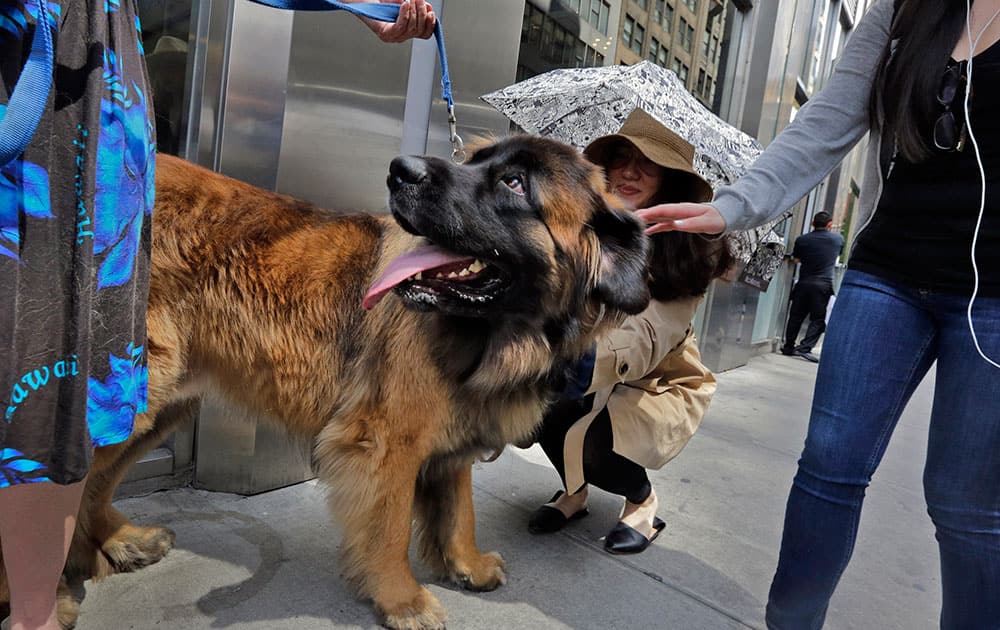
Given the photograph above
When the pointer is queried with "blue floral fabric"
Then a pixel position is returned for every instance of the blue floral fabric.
(74, 243)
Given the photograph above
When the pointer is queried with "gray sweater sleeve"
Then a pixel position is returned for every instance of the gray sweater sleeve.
(823, 132)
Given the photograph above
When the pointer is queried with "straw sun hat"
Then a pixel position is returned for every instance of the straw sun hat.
(660, 145)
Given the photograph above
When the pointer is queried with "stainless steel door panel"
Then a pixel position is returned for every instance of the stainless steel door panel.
(344, 112)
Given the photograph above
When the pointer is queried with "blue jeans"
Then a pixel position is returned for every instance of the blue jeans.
(882, 339)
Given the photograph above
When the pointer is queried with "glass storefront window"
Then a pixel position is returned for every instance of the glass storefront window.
(166, 26)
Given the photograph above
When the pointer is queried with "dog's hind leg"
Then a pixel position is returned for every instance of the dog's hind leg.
(371, 493)
(446, 527)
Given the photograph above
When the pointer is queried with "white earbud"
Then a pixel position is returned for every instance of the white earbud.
(982, 170)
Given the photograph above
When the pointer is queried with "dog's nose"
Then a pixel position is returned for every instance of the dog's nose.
(406, 169)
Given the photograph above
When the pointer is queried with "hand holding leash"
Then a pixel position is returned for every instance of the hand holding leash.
(403, 19)
(416, 19)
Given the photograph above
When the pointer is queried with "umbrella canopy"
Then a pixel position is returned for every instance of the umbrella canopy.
(580, 104)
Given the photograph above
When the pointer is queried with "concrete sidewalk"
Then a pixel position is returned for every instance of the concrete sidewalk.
(269, 561)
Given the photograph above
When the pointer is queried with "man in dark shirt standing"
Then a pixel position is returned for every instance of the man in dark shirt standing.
(817, 252)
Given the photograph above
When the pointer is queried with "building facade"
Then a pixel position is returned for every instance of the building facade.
(567, 34)
(682, 35)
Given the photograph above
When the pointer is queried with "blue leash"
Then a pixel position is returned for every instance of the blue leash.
(386, 13)
(27, 102)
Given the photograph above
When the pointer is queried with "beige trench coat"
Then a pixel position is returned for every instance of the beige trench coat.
(648, 373)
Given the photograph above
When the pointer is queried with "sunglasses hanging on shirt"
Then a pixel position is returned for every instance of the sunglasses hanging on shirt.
(948, 134)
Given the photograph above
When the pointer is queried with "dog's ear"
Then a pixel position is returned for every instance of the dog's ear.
(621, 279)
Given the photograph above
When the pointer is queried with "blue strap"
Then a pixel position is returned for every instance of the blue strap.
(383, 12)
(31, 93)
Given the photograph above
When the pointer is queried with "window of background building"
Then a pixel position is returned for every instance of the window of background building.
(692, 4)
(714, 51)
(668, 18)
(686, 32)
(638, 39)
(546, 45)
(663, 56)
(683, 74)
(706, 39)
(814, 59)
(599, 12)
(643, 4)
(627, 29)
(657, 11)
(676, 66)
(654, 49)
(596, 12)
(699, 87)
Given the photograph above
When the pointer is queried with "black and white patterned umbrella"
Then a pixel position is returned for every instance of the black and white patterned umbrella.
(580, 104)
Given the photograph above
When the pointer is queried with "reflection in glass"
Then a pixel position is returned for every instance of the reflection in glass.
(166, 25)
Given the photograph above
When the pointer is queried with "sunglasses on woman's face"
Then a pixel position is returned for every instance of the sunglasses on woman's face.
(948, 135)
(623, 155)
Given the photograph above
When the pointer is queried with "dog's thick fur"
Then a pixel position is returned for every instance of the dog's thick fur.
(259, 296)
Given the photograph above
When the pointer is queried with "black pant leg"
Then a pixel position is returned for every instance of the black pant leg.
(602, 467)
(552, 433)
(607, 469)
(797, 313)
(819, 298)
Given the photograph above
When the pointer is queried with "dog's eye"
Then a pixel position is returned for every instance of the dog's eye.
(515, 183)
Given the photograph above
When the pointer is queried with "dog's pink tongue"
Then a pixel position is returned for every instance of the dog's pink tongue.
(406, 265)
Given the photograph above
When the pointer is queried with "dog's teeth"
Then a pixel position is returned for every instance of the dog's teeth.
(464, 272)
(452, 275)
(419, 276)
(476, 267)
(439, 275)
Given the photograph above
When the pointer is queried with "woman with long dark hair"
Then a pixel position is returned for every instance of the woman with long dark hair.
(645, 392)
(923, 285)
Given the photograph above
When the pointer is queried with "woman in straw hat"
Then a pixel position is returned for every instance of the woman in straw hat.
(638, 399)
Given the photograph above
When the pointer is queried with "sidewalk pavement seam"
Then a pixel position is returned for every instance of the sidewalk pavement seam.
(623, 561)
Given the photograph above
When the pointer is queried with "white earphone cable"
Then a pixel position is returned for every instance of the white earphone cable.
(982, 171)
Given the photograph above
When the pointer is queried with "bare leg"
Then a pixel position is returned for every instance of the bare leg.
(36, 526)
(570, 504)
(640, 516)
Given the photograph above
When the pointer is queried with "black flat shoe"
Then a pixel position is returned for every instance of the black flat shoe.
(547, 519)
(624, 539)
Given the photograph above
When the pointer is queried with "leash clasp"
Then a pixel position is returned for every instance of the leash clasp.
(458, 153)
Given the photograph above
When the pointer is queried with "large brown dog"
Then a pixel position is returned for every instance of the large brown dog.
(506, 268)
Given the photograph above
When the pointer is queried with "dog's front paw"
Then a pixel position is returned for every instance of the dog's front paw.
(422, 612)
(483, 572)
(132, 547)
